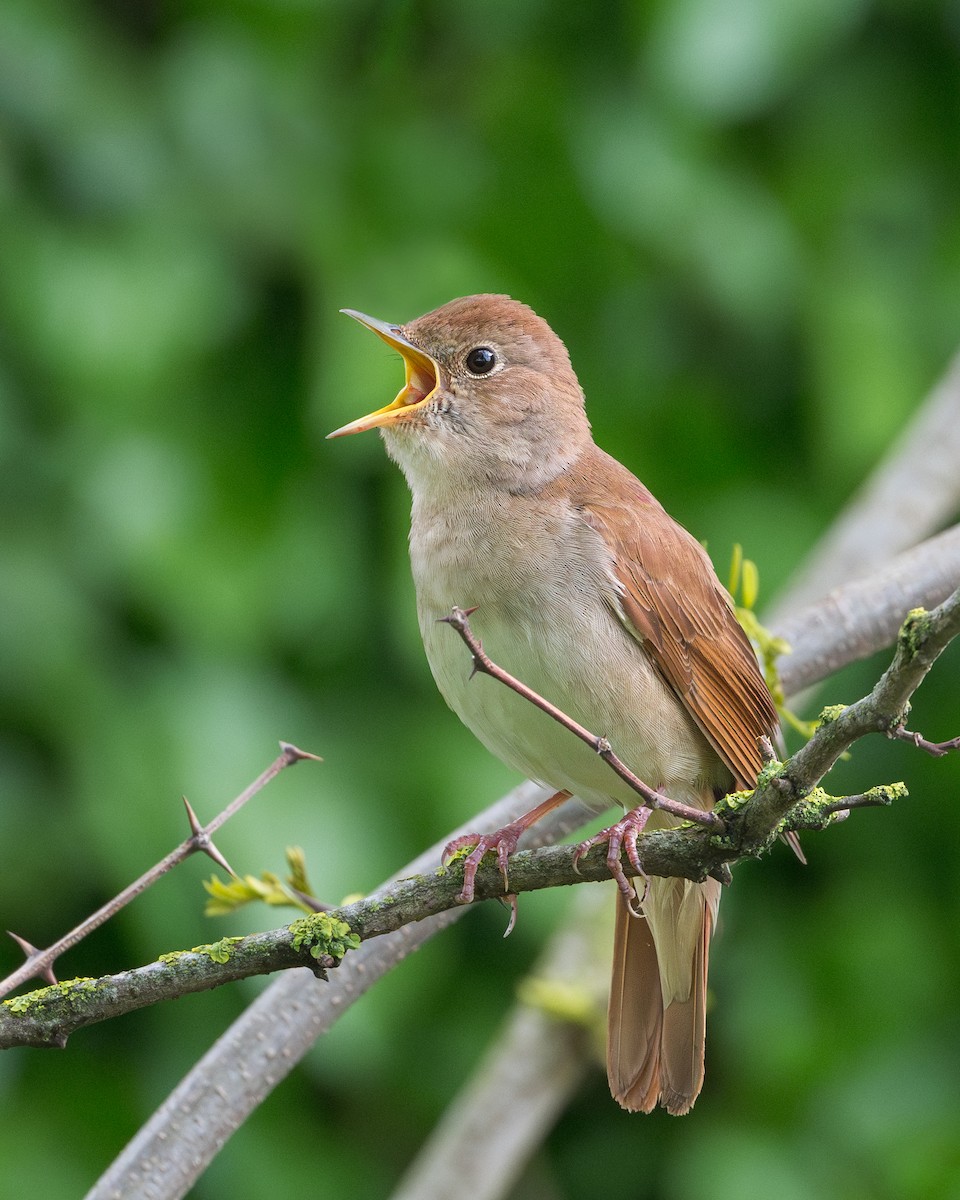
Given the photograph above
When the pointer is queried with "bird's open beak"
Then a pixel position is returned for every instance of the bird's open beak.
(419, 386)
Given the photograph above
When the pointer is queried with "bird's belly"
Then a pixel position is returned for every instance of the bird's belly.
(593, 670)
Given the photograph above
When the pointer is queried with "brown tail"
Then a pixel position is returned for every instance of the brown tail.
(655, 1048)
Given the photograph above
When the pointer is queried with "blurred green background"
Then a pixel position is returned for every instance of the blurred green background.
(742, 216)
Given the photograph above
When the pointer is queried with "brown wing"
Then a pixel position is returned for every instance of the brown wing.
(675, 604)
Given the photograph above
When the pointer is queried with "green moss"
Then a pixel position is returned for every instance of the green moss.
(914, 631)
(219, 952)
(768, 772)
(71, 990)
(731, 803)
(829, 714)
(887, 793)
(325, 935)
(813, 811)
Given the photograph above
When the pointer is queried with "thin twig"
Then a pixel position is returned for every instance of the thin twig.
(271, 1036)
(484, 665)
(934, 749)
(784, 799)
(39, 963)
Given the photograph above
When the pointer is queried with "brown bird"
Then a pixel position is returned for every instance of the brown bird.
(592, 595)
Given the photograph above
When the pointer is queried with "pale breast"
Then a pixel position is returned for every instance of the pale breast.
(543, 587)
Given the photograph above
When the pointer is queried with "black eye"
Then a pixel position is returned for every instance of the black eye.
(481, 360)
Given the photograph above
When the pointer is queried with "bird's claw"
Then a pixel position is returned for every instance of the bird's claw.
(511, 903)
(623, 834)
(503, 841)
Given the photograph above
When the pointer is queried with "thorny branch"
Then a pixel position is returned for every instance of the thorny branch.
(47, 1017)
(787, 798)
(39, 963)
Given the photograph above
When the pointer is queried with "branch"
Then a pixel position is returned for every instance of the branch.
(536, 1063)
(47, 1017)
(277, 1029)
(784, 799)
(923, 638)
(912, 493)
(270, 1037)
(39, 963)
(862, 617)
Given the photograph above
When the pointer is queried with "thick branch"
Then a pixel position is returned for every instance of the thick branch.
(541, 1054)
(862, 617)
(47, 1017)
(752, 821)
(923, 638)
(268, 1039)
(914, 491)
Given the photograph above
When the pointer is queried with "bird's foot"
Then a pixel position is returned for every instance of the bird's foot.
(502, 841)
(622, 835)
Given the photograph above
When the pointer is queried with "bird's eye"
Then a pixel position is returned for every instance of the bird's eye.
(481, 360)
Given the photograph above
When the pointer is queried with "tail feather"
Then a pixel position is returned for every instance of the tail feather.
(657, 1017)
(635, 1018)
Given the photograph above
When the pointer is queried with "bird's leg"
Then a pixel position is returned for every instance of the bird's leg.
(622, 834)
(503, 841)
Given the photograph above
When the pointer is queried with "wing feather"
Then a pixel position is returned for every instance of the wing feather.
(671, 600)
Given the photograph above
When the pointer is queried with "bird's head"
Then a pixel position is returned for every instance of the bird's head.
(489, 398)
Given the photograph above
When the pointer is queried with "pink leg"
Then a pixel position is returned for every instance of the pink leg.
(503, 841)
(623, 833)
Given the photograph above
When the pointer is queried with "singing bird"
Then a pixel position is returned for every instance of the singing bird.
(586, 590)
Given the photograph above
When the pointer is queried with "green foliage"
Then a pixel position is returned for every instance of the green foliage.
(742, 217)
(268, 889)
(745, 580)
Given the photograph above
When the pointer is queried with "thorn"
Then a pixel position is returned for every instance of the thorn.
(457, 617)
(28, 948)
(294, 754)
(196, 829)
(203, 842)
(31, 951)
(211, 851)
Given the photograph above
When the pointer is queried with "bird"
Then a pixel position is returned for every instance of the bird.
(590, 593)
